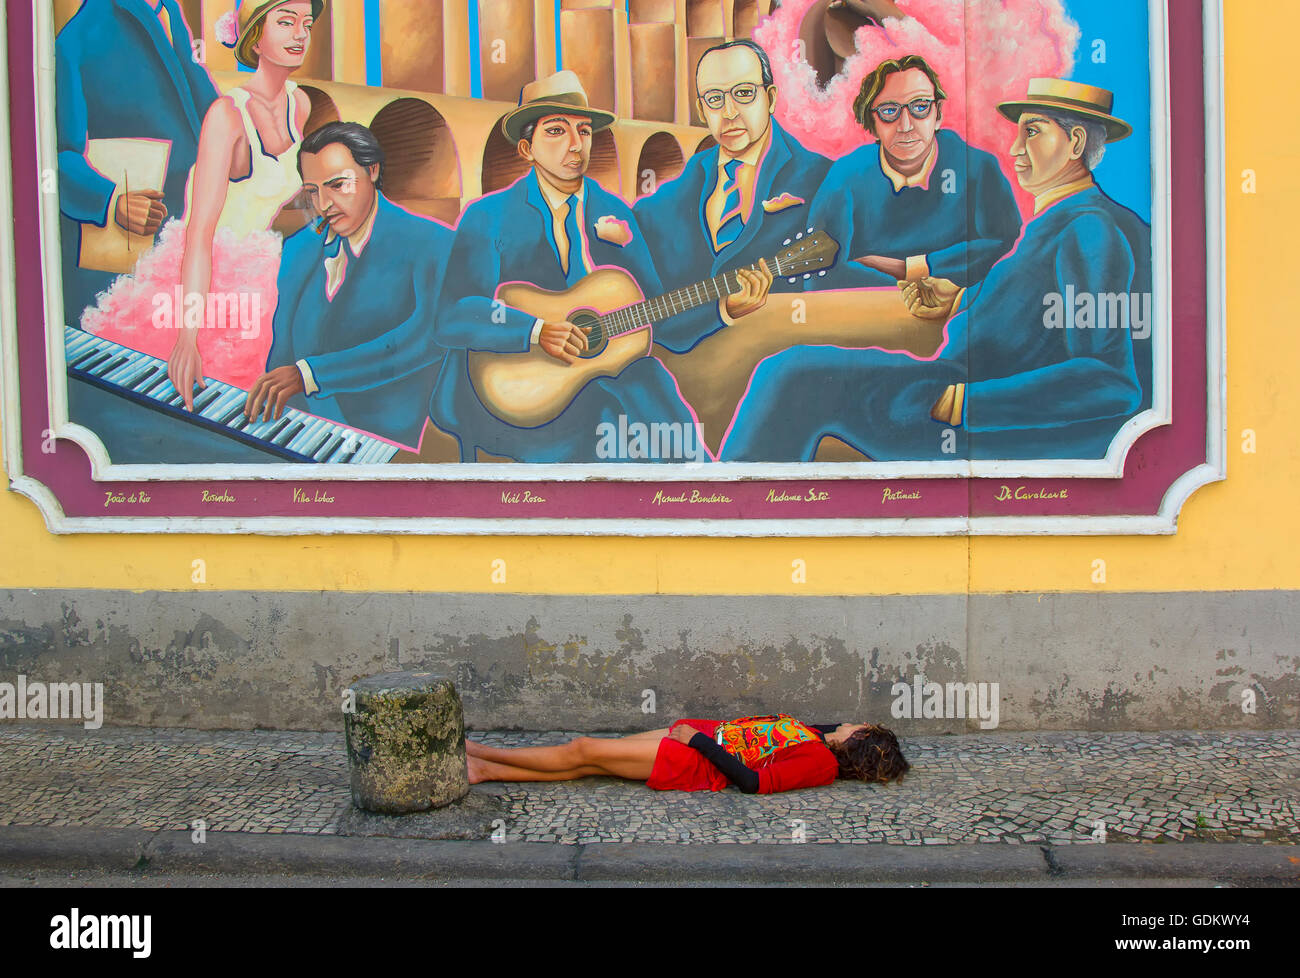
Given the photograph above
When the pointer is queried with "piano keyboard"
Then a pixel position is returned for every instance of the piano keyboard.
(295, 435)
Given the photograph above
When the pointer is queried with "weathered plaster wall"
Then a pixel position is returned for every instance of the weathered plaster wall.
(1168, 638)
(1118, 662)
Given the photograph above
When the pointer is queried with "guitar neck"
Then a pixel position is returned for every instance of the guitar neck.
(641, 315)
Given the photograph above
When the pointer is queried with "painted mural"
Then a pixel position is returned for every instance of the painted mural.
(859, 239)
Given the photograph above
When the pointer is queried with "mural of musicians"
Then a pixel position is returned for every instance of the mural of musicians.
(738, 202)
(353, 330)
(918, 202)
(551, 229)
(1013, 381)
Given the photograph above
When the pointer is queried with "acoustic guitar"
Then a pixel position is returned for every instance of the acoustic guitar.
(530, 389)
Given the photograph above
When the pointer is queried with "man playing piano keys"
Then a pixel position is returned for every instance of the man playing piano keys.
(358, 293)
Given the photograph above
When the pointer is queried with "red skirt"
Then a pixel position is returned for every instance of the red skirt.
(679, 767)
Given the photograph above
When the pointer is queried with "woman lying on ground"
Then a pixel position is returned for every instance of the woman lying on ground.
(760, 755)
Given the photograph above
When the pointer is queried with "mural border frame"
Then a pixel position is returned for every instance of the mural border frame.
(1162, 521)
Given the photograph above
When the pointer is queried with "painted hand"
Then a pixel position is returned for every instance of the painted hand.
(949, 408)
(754, 287)
(272, 391)
(930, 298)
(141, 211)
(185, 367)
(564, 341)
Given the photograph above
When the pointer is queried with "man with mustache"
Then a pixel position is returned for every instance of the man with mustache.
(353, 329)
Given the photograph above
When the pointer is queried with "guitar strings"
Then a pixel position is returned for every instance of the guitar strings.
(626, 320)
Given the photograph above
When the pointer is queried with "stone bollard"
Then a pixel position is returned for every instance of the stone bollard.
(406, 743)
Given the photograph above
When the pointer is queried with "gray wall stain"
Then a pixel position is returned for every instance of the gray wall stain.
(244, 660)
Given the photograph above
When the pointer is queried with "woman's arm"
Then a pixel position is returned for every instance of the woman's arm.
(743, 777)
(217, 142)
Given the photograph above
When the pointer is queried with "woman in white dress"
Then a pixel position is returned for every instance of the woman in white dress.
(224, 256)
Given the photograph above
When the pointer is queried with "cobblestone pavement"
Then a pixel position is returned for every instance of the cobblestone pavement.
(1056, 788)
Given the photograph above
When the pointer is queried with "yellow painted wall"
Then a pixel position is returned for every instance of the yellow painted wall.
(1238, 535)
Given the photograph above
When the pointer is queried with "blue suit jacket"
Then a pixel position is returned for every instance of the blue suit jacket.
(675, 225)
(507, 237)
(962, 223)
(116, 75)
(372, 349)
(1040, 383)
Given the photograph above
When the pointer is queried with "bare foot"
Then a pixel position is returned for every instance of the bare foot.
(477, 774)
(473, 748)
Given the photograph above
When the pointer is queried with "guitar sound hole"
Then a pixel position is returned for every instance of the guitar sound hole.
(596, 339)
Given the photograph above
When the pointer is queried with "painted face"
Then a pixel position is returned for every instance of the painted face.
(1046, 155)
(904, 138)
(286, 34)
(732, 99)
(343, 192)
(561, 148)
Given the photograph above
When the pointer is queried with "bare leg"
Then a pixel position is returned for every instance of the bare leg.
(632, 758)
(557, 757)
(481, 770)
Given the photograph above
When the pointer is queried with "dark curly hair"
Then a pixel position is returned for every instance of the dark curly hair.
(871, 754)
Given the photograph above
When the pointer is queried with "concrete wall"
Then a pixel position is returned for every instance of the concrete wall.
(1168, 637)
(1113, 662)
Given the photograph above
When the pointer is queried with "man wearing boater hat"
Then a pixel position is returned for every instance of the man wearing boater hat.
(549, 229)
(1047, 358)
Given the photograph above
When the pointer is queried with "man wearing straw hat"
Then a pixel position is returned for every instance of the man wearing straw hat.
(1046, 359)
(550, 229)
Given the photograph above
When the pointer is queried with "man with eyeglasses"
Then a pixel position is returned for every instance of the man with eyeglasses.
(551, 229)
(739, 201)
(1047, 358)
(918, 202)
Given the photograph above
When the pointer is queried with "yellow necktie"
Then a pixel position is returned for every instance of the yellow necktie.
(166, 23)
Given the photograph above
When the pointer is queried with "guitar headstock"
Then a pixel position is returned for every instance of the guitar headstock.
(806, 254)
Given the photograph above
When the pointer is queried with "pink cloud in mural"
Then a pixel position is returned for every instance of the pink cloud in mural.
(985, 52)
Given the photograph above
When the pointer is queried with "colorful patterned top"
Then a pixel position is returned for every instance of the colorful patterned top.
(755, 740)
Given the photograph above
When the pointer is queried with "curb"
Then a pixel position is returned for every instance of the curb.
(235, 853)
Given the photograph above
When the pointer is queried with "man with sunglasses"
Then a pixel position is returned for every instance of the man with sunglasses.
(918, 202)
(739, 201)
